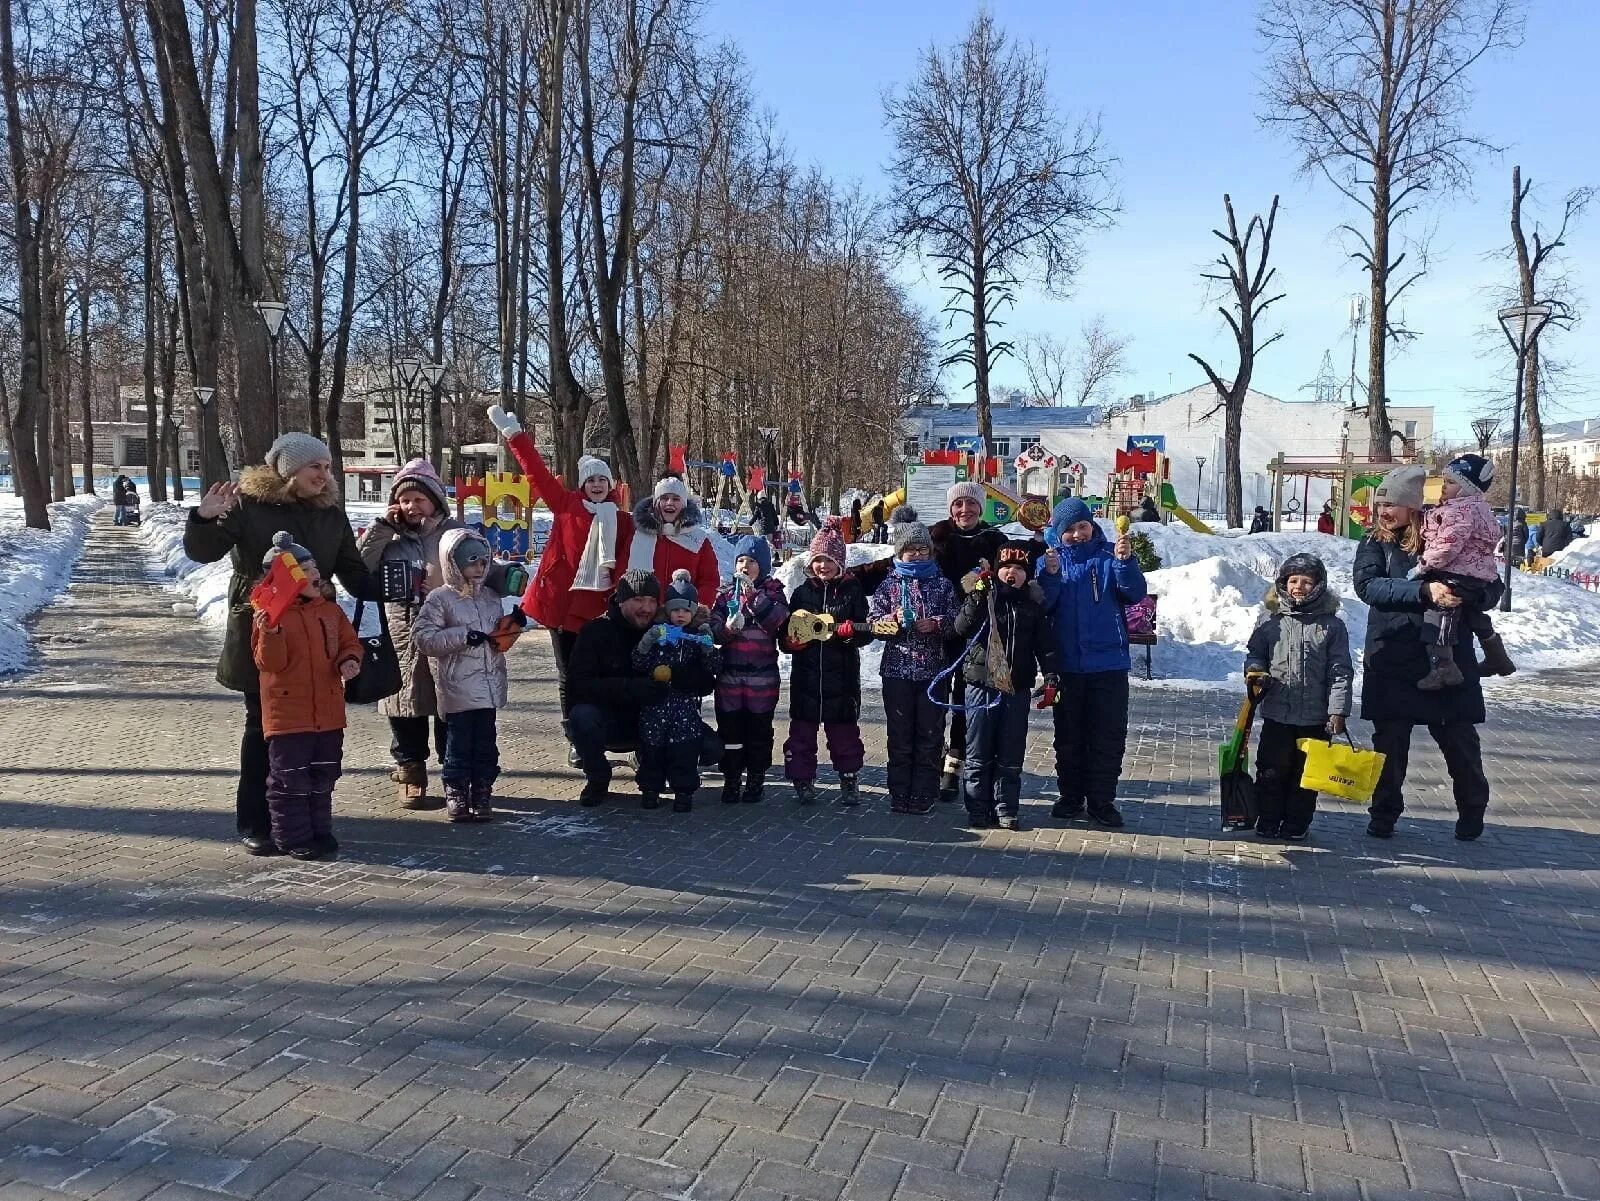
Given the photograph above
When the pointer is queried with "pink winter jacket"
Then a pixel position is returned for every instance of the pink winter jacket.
(1459, 537)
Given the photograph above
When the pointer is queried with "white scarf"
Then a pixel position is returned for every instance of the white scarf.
(599, 549)
(642, 552)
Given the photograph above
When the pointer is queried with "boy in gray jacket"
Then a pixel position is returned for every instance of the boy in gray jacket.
(1301, 656)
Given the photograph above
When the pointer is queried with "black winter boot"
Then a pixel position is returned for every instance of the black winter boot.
(458, 803)
(1469, 825)
(950, 781)
(754, 785)
(683, 804)
(732, 774)
(1106, 814)
(1496, 662)
(849, 790)
(805, 792)
(595, 792)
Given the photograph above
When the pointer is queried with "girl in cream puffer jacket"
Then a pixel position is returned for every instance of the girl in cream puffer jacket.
(453, 629)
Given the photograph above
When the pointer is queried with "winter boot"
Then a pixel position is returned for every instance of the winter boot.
(1012, 823)
(805, 792)
(1469, 825)
(950, 782)
(572, 751)
(1444, 672)
(683, 804)
(754, 786)
(1068, 810)
(595, 792)
(412, 778)
(482, 801)
(325, 846)
(1268, 830)
(1496, 662)
(849, 790)
(732, 771)
(1380, 827)
(458, 802)
(1106, 815)
(900, 804)
(650, 800)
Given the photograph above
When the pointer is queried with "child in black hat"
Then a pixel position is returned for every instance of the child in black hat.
(670, 732)
(1010, 644)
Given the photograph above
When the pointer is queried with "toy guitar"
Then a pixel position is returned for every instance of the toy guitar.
(806, 627)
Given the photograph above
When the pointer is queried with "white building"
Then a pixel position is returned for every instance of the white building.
(1192, 426)
(1568, 446)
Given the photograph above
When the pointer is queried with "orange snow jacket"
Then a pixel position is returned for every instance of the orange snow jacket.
(301, 691)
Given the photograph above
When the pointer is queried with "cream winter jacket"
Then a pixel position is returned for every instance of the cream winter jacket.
(465, 677)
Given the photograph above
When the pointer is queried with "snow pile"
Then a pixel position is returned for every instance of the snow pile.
(1211, 590)
(35, 565)
(204, 585)
(1583, 554)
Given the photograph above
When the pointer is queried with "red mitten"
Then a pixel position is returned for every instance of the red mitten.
(845, 629)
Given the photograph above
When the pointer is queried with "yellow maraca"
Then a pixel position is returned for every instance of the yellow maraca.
(1122, 524)
(663, 673)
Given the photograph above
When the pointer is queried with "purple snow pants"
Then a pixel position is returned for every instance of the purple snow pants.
(800, 749)
(302, 770)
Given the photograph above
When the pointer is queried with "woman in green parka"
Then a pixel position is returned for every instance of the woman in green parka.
(295, 490)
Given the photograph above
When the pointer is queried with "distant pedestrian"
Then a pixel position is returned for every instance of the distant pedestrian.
(1555, 534)
(1325, 518)
(1261, 523)
(1148, 510)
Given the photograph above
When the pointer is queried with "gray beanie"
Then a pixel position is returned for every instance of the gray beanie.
(291, 452)
(1402, 486)
(906, 530)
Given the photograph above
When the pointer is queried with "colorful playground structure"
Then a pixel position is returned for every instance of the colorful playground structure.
(497, 507)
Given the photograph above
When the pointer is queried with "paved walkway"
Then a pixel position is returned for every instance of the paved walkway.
(767, 1002)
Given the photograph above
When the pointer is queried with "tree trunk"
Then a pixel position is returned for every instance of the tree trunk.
(1379, 447)
(980, 355)
(24, 416)
(1527, 287)
(86, 382)
(1234, 477)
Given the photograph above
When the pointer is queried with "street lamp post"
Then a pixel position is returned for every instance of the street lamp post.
(272, 314)
(1200, 482)
(210, 472)
(1484, 429)
(410, 370)
(1521, 323)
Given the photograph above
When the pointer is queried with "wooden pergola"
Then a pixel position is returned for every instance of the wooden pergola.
(1343, 469)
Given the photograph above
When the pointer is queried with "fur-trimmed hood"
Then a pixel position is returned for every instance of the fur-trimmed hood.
(1327, 603)
(645, 518)
(261, 483)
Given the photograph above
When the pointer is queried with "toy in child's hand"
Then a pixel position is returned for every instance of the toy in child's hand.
(1123, 522)
(806, 627)
(663, 672)
(977, 579)
(507, 630)
(672, 635)
(278, 588)
(1044, 696)
(1052, 539)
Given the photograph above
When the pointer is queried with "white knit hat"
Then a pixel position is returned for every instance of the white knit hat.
(291, 452)
(966, 489)
(589, 467)
(670, 485)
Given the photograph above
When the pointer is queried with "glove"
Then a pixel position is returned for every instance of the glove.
(1336, 723)
(1416, 572)
(736, 622)
(974, 580)
(505, 422)
(845, 630)
(476, 637)
(656, 634)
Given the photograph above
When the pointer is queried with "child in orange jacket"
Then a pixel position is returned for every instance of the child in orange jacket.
(304, 661)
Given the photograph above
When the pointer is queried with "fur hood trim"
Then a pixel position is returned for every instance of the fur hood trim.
(644, 516)
(261, 483)
(1325, 604)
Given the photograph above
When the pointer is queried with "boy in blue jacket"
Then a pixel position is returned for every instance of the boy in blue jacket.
(1086, 586)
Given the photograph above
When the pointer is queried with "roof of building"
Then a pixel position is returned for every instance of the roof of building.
(1557, 431)
(963, 418)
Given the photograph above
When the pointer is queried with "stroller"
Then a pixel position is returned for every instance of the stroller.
(130, 510)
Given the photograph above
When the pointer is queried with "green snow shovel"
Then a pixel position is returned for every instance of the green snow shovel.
(1233, 763)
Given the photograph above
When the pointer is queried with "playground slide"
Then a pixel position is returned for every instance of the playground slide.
(1169, 502)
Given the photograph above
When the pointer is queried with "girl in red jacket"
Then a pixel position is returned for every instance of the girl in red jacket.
(585, 553)
(669, 534)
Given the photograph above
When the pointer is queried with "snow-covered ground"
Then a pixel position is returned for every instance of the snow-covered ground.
(35, 566)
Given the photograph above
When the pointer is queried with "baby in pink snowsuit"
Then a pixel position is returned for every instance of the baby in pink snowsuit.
(1458, 540)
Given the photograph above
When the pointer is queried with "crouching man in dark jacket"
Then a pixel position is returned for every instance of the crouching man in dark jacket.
(606, 692)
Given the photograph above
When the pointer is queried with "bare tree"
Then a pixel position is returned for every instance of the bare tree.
(1374, 94)
(1047, 361)
(30, 392)
(1242, 270)
(1101, 358)
(1533, 255)
(990, 184)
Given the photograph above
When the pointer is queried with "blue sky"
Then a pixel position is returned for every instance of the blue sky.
(1176, 84)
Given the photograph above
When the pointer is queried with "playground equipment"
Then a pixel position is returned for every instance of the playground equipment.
(1142, 471)
(728, 478)
(1353, 483)
(497, 507)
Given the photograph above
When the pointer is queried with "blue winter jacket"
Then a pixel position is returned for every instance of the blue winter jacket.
(1085, 602)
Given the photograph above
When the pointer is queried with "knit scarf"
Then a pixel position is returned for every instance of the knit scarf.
(916, 569)
(642, 550)
(599, 549)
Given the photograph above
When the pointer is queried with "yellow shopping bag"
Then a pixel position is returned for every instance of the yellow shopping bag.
(1341, 771)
